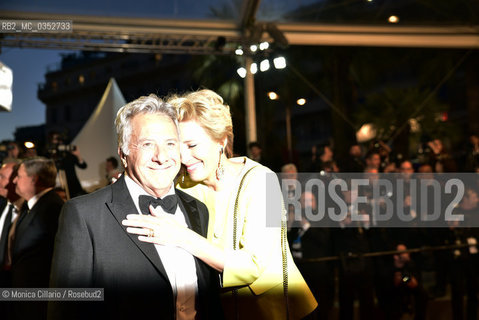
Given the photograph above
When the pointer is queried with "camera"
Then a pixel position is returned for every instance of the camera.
(66, 147)
(405, 278)
(58, 150)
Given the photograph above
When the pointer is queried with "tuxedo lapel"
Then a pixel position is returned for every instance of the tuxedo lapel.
(192, 216)
(194, 220)
(26, 216)
(3, 203)
(122, 205)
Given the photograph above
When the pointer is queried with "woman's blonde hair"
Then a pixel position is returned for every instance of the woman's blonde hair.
(208, 109)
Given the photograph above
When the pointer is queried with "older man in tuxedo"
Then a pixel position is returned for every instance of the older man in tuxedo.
(31, 237)
(93, 249)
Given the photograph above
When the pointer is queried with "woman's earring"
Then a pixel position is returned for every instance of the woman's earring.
(220, 170)
(182, 176)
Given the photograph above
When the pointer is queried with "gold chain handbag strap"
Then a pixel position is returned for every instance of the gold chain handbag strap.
(235, 236)
(284, 253)
(235, 212)
(284, 247)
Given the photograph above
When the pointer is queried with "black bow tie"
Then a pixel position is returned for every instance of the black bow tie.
(168, 203)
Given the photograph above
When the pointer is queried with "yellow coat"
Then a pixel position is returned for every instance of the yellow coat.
(256, 269)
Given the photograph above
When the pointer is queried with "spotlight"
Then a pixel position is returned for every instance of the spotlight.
(253, 68)
(264, 65)
(366, 133)
(273, 95)
(241, 72)
(29, 145)
(263, 45)
(393, 19)
(279, 62)
(301, 101)
(239, 52)
(253, 48)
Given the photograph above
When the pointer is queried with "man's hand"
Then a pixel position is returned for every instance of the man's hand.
(76, 153)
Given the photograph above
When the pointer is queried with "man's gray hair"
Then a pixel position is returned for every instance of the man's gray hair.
(151, 104)
(43, 168)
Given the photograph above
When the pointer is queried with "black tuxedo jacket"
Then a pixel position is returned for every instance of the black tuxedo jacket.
(94, 250)
(4, 283)
(3, 204)
(32, 248)
(32, 252)
(4, 275)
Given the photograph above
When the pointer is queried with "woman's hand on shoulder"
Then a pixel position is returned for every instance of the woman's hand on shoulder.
(163, 229)
(158, 228)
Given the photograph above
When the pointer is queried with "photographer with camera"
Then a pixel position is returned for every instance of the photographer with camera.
(406, 292)
(66, 158)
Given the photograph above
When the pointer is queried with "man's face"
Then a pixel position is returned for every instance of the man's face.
(328, 153)
(406, 167)
(474, 140)
(401, 259)
(374, 160)
(109, 166)
(289, 174)
(154, 158)
(25, 184)
(308, 200)
(56, 139)
(255, 151)
(5, 173)
(355, 151)
(13, 151)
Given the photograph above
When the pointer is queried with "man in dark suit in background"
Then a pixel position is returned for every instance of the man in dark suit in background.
(3, 202)
(93, 249)
(32, 238)
(10, 204)
(9, 210)
(308, 241)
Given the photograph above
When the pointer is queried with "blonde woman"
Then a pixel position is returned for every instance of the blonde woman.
(250, 256)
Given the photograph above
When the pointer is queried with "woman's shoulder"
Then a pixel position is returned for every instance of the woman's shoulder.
(256, 176)
(251, 165)
(194, 189)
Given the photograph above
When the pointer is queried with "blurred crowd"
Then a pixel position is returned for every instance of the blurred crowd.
(391, 272)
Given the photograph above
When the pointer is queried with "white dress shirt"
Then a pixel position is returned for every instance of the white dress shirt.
(179, 263)
(4, 215)
(33, 200)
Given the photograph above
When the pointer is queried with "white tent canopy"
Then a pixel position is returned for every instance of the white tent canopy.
(97, 139)
(6, 80)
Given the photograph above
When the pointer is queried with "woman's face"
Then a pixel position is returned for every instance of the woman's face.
(199, 153)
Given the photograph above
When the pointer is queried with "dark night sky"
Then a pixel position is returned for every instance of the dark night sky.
(30, 65)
